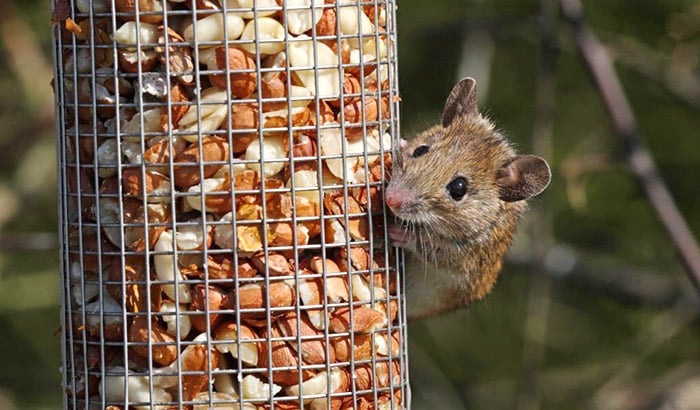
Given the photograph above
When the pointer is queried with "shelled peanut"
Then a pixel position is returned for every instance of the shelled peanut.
(223, 196)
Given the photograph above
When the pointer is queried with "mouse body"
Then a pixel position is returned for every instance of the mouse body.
(458, 190)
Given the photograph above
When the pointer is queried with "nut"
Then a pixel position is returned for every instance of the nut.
(94, 252)
(361, 347)
(326, 25)
(179, 57)
(205, 118)
(274, 155)
(213, 149)
(217, 195)
(157, 185)
(336, 286)
(167, 271)
(133, 284)
(145, 122)
(313, 347)
(254, 389)
(254, 297)
(318, 384)
(273, 87)
(175, 322)
(307, 54)
(208, 300)
(266, 7)
(162, 345)
(384, 374)
(272, 35)
(179, 106)
(273, 264)
(221, 266)
(247, 351)
(285, 362)
(351, 90)
(301, 17)
(102, 319)
(115, 385)
(129, 60)
(149, 11)
(242, 80)
(358, 226)
(191, 235)
(211, 28)
(313, 290)
(131, 214)
(128, 35)
(196, 361)
(364, 320)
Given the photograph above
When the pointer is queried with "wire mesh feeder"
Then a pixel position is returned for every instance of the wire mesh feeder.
(223, 236)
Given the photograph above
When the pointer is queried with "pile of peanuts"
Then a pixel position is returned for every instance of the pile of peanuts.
(224, 233)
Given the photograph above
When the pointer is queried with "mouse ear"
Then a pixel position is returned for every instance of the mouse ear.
(522, 177)
(461, 102)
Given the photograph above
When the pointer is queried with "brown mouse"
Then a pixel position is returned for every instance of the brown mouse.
(458, 190)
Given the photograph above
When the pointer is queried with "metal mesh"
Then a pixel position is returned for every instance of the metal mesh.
(223, 236)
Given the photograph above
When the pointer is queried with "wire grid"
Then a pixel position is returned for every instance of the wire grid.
(188, 246)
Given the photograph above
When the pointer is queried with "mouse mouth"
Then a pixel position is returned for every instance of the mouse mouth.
(410, 216)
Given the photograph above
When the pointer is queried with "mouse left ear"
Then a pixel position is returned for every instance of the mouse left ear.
(522, 177)
(461, 102)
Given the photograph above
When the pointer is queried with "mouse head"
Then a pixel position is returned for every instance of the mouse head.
(462, 174)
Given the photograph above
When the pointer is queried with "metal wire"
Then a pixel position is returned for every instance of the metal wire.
(223, 236)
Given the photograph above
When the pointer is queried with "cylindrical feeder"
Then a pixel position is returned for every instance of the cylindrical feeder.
(223, 234)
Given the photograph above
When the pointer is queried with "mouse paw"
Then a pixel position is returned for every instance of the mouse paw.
(401, 237)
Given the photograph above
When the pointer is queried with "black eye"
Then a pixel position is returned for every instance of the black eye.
(422, 149)
(458, 188)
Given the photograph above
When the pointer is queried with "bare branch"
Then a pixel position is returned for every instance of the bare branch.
(639, 159)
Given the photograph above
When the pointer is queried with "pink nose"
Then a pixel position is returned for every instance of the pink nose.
(393, 200)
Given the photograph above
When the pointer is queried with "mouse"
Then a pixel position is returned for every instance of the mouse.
(457, 191)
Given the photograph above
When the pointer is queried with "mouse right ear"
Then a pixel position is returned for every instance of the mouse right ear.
(461, 102)
(522, 177)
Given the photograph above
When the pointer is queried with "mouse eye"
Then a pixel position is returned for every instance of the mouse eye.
(422, 149)
(458, 188)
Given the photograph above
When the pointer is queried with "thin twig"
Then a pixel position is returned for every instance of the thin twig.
(639, 159)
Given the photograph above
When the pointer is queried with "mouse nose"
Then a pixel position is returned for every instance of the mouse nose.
(393, 200)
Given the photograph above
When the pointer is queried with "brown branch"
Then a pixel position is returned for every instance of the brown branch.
(639, 159)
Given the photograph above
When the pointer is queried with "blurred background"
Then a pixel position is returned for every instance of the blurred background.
(593, 309)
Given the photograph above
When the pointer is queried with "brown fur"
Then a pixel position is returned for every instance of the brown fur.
(465, 246)
(457, 246)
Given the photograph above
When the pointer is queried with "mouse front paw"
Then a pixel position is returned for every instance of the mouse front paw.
(401, 237)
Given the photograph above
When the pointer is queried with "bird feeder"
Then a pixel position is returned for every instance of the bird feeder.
(223, 238)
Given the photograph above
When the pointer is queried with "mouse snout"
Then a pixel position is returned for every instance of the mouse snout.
(392, 200)
(397, 196)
